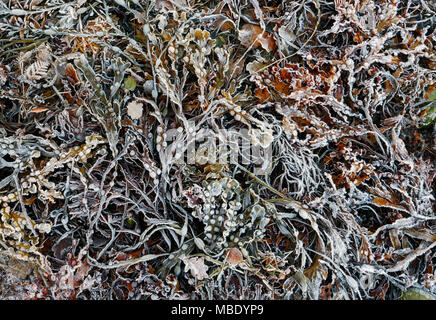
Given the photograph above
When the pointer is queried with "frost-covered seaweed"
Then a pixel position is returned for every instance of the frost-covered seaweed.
(184, 149)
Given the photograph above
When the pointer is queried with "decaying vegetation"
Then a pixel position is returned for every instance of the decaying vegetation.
(97, 204)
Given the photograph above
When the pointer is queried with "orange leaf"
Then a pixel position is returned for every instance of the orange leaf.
(39, 109)
(70, 72)
(262, 94)
(29, 201)
(386, 203)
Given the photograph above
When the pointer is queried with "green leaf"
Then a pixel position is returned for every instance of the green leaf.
(430, 114)
(417, 294)
(129, 83)
(432, 95)
(220, 41)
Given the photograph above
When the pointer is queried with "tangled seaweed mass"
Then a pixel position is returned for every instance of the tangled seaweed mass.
(237, 149)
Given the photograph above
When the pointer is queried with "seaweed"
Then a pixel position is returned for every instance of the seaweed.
(245, 149)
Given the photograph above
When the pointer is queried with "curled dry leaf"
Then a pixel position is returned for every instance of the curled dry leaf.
(250, 33)
(71, 73)
(197, 267)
